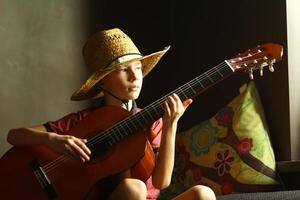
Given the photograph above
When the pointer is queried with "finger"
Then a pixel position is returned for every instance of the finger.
(84, 140)
(80, 152)
(187, 102)
(167, 108)
(172, 103)
(176, 97)
(178, 101)
(82, 144)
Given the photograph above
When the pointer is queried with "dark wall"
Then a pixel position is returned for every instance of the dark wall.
(202, 34)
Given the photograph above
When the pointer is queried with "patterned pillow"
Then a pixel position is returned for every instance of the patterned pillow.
(231, 152)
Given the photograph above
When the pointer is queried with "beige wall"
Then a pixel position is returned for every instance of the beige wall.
(40, 60)
(293, 29)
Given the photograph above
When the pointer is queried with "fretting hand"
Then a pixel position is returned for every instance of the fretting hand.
(174, 109)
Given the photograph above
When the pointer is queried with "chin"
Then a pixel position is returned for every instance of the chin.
(134, 96)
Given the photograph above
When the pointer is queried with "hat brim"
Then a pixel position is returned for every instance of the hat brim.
(88, 89)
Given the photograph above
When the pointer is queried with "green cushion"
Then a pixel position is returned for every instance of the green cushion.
(231, 152)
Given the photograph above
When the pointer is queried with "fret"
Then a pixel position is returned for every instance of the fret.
(219, 72)
(205, 82)
(115, 132)
(149, 114)
(185, 92)
(133, 124)
(117, 135)
(199, 81)
(161, 105)
(154, 108)
(192, 89)
(115, 139)
(154, 112)
(124, 130)
(215, 76)
(158, 105)
(145, 120)
(211, 80)
(111, 140)
(128, 127)
(138, 121)
(142, 119)
(189, 91)
(226, 69)
(197, 85)
(181, 91)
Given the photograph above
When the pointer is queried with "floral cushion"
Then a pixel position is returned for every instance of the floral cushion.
(230, 152)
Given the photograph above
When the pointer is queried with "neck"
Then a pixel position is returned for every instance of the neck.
(112, 101)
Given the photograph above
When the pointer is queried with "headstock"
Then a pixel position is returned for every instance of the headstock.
(257, 58)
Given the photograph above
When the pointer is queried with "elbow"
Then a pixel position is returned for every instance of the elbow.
(10, 136)
(161, 183)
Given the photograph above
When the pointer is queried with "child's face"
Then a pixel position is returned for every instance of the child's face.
(126, 81)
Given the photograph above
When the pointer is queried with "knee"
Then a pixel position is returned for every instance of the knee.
(202, 192)
(135, 189)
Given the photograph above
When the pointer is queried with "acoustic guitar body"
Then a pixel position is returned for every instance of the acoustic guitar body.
(70, 179)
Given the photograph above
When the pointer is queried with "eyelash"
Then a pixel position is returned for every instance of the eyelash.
(125, 69)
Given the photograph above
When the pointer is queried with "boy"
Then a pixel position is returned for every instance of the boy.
(118, 70)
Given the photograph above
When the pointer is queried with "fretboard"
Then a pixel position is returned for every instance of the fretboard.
(155, 110)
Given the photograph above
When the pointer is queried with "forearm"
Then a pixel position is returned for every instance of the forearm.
(174, 109)
(162, 173)
(28, 136)
(67, 144)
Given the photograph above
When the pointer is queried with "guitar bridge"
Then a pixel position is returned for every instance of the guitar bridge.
(43, 179)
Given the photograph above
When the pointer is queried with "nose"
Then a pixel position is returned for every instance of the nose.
(132, 75)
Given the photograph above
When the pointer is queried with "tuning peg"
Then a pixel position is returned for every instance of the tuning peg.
(271, 68)
(258, 49)
(261, 70)
(238, 55)
(250, 72)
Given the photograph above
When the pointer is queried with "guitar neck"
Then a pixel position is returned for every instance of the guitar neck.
(190, 89)
(155, 110)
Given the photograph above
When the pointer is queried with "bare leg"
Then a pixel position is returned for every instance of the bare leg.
(129, 189)
(198, 192)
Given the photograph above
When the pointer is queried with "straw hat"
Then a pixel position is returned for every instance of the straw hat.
(104, 52)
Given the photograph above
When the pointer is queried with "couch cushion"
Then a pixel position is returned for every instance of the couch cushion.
(230, 152)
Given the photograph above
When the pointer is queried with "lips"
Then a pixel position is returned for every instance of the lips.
(134, 87)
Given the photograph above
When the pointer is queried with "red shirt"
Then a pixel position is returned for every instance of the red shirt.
(66, 123)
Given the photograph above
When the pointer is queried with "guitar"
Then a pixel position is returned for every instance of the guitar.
(117, 141)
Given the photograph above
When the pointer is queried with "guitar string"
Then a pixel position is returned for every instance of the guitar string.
(55, 163)
(50, 166)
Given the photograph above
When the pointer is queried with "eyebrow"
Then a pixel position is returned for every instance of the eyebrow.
(134, 64)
